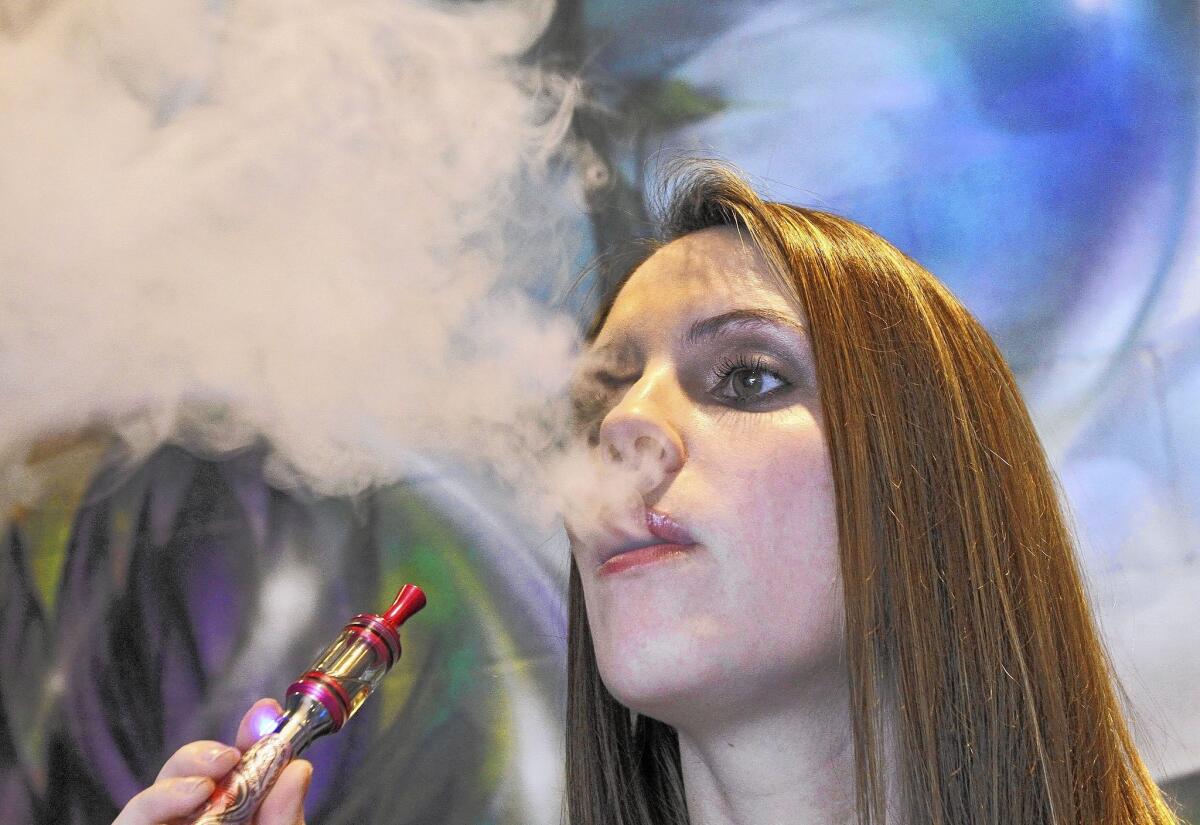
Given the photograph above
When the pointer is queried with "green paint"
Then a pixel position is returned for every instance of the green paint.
(45, 534)
(664, 105)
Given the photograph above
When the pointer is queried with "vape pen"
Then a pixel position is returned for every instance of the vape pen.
(317, 703)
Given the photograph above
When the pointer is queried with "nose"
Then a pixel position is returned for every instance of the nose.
(638, 434)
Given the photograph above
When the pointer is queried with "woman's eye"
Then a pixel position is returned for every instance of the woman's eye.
(742, 381)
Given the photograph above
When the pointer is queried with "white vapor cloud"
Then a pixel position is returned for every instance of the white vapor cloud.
(316, 222)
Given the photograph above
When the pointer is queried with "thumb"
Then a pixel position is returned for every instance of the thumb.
(284, 804)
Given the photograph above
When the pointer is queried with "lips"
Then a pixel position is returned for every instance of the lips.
(664, 532)
(663, 527)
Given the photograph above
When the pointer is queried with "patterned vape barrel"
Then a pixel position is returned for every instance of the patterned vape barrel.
(239, 794)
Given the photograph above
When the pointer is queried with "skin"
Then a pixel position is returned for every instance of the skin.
(187, 779)
(737, 642)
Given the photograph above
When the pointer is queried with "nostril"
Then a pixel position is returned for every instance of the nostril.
(614, 454)
(645, 445)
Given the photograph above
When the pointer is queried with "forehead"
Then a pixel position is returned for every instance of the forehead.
(699, 275)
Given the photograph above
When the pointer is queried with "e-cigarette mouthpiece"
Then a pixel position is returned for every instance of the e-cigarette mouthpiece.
(319, 702)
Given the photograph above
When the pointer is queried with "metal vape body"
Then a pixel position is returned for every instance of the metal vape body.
(317, 703)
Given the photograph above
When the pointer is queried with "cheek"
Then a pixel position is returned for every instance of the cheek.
(778, 497)
(791, 514)
(784, 518)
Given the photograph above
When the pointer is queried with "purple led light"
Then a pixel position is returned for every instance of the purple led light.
(263, 721)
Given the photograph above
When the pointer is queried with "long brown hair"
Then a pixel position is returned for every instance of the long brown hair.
(968, 628)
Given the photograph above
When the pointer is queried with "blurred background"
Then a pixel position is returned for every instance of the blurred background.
(284, 284)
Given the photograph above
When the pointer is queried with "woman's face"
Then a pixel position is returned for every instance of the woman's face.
(703, 384)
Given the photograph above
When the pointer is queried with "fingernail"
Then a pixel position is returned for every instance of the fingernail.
(193, 785)
(216, 754)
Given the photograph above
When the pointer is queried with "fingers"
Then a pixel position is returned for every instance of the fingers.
(211, 759)
(284, 805)
(166, 800)
(188, 778)
(257, 722)
(174, 797)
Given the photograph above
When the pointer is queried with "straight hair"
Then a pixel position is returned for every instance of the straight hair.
(971, 648)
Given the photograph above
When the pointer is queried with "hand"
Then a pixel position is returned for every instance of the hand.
(190, 775)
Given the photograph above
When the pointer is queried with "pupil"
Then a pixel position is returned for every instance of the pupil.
(748, 380)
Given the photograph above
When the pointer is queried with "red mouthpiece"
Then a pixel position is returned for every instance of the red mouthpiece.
(409, 600)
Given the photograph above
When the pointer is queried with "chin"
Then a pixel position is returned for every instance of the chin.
(668, 690)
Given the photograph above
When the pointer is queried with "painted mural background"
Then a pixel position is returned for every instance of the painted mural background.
(156, 578)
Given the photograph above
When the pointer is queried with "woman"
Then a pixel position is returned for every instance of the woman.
(874, 603)
(842, 587)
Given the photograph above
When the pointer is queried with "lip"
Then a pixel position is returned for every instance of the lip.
(664, 527)
(642, 556)
(667, 539)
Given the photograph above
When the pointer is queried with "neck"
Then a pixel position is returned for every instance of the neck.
(790, 763)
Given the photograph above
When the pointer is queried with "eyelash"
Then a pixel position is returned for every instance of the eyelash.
(729, 366)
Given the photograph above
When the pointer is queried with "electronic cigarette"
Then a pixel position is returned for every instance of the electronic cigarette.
(317, 703)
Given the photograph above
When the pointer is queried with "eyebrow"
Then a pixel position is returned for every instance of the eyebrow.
(708, 328)
(749, 318)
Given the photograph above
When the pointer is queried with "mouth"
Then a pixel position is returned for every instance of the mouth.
(667, 539)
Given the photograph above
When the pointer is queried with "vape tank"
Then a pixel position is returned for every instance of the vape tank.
(317, 703)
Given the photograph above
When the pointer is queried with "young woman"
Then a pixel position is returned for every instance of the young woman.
(864, 600)
(841, 588)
